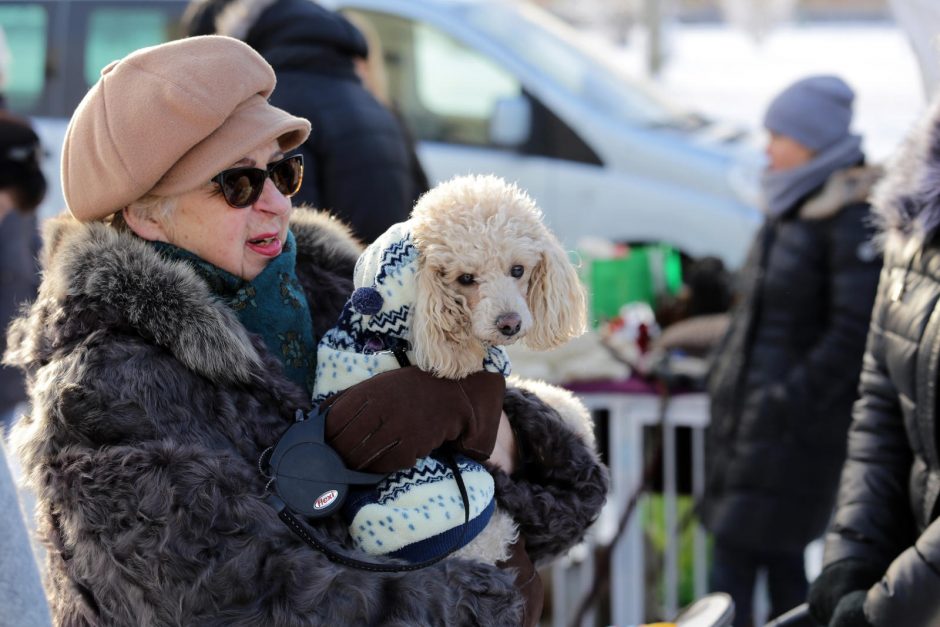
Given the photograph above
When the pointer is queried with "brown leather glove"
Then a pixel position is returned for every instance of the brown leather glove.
(528, 582)
(387, 422)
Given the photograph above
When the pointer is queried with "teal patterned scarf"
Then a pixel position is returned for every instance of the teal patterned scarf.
(272, 305)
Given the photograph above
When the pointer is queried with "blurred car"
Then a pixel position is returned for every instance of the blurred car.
(485, 86)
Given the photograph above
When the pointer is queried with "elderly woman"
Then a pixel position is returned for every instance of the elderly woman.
(171, 344)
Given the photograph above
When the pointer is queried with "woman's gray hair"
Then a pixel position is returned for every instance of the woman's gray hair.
(146, 207)
(151, 206)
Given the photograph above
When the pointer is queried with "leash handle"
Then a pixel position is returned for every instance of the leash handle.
(303, 531)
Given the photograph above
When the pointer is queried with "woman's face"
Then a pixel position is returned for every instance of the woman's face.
(239, 241)
(785, 153)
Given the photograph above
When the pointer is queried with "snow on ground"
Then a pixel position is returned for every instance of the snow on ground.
(723, 73)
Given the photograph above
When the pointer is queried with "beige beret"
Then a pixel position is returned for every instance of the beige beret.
(166, 119)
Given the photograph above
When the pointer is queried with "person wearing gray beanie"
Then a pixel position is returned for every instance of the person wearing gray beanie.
(784, 379)
(810, 139)
(815, 111)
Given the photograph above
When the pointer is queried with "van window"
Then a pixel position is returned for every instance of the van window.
(454, 81)
(24, 26)
(114, 32)
(446, 91)
(558, 51)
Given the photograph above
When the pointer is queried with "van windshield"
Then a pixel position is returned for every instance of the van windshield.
(557, 50)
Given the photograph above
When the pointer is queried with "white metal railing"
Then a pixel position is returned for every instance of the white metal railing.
(572, 576)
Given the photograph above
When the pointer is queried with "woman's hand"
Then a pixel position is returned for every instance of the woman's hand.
(505, 453)
(386, 423)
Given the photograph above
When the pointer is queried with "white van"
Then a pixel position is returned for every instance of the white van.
(486, 86)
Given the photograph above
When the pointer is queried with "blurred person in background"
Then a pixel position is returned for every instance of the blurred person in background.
(881, 564)
(172, 343)
(374, 77)
(358, 163)
(696, 319)
(785, 374)
(22, 188)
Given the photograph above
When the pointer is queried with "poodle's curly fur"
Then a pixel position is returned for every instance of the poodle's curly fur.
(485, 228)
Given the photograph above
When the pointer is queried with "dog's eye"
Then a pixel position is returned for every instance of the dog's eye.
(516, 271)
(466, 279)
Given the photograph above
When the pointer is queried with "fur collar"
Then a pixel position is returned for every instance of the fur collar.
(94, 276)
(907, 201)
(843, 188)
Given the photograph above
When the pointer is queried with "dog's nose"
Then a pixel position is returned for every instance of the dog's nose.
(509, 323)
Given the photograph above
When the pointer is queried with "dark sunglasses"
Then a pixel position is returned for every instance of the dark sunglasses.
(242, 187)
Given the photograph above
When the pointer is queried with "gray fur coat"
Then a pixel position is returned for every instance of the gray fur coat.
(151, 406)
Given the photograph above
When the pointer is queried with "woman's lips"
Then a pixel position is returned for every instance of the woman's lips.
(267, 245)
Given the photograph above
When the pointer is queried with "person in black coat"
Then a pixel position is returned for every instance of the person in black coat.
(358, 163)
(22, 188)
(785, 374)
(881, 564)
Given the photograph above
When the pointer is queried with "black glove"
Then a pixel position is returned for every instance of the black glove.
(836, 581)
(850, 611)
(387, 422)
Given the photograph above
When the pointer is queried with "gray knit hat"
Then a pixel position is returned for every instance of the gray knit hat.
(815, 111)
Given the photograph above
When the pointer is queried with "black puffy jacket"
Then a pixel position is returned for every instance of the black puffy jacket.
(889, 494)
(358, 162)
(785, 375)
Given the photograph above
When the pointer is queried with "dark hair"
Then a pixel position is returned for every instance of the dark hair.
(20, 154)
(199, 17)
(710, 286)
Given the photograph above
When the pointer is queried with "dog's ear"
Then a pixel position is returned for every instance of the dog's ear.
(441, 335)
(555, 298)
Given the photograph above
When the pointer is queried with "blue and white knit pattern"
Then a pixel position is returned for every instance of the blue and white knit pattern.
(376, 319)
(415, 514)
(418, 514)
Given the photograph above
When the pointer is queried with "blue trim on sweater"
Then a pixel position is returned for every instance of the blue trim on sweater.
(441, 543)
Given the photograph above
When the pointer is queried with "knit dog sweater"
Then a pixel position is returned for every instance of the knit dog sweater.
(416, 514)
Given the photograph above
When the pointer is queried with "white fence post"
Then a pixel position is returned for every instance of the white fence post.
(572, 576)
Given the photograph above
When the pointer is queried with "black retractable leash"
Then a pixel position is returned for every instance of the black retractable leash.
(310, 479)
